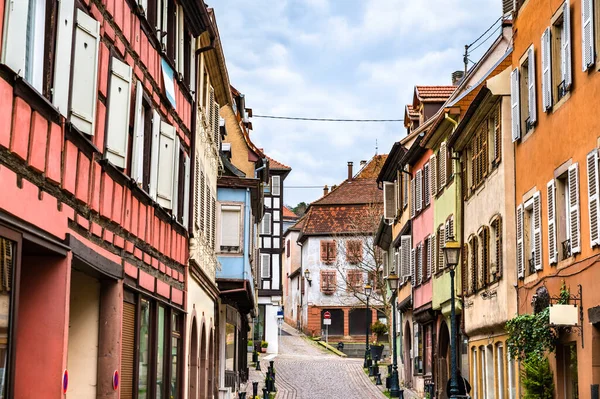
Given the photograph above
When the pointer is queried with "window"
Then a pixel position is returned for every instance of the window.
(328, 281)
(529, 244)
(176, 338)
(560, 51)
(355, 280)
(8, 261)
(354, 251)
(24, 39)
(484, 270)
(496, 252)
(265, 266)
(563, 215)
(275, 185)
(117, 132)
(426, 184)
(162, 174)
(230, 228)
(328, 251)
(404, 256)
(287, 248)
(265, 227)
(418, 182)
(523, 95)
(389, 203)
(474, 263)
(418, 349)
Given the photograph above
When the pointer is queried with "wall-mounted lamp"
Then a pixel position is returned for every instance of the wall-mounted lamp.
(307, 277)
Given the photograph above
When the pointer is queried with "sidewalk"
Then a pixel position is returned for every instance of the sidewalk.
(255, 375)
(408, 394)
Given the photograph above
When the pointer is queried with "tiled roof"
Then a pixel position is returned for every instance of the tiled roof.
(276, 165)
(411, 111)
(288, 213)
(356, 191)
(434, 93)
(299, 225)
(342, 219)
(372, 168)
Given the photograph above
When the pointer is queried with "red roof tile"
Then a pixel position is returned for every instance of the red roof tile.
(342, 219)
(434, 93)
(288, 213)
(372, 168)
(411, 111)
(276, 165)
(356, 191)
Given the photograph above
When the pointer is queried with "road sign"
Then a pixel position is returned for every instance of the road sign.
(326, 322)
(327, 315)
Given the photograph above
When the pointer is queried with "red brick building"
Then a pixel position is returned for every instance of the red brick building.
(97, 123)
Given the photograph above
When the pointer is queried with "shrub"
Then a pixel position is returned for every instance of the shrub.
(264, 344)
(379, 328)
(537, 378)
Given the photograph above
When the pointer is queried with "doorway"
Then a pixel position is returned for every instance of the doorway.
(203, 363)
(442, 374)
(567, 373)
(84, 314)
(407, 359)
(193, 367)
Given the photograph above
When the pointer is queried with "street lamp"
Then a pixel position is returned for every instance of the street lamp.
(392, 281)
(367, 362)
(451, 253)
(307, 277)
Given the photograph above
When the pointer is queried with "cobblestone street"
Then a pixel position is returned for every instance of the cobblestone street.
(305, 371)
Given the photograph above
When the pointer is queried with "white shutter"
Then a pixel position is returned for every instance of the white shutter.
(230, 226)
(430, 254)
(389, 201)
(117, 133)
(546, 70)
(426, 184)
(216, 126)
(420, 263)
(137, 153)
(186, 191)
(443, 172)
(520, 243)
(153, 186)
(275, 185)
(265, 265)
(412, 198)
(413, 277)
(193, 65)
(15, 35)
(593, 197)
(574, 208)
(85, 73)
(62, 59)
(587, 34)
(566, 42)
(266, 224)
(397, 196)
(166, 165)
(552, 248)
(537, 231)
(515, 105)
(531, 96)
(434, 174)
(441, 243)
(176, 182)
(405, 248)
(164, 27)
(419, 190)
(179, 58)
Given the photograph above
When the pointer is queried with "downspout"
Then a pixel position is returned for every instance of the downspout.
(261, 168)
(301, 277)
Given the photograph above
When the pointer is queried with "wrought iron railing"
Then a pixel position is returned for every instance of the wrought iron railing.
(566, 247)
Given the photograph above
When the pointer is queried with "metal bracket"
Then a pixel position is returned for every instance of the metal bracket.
(577, 299)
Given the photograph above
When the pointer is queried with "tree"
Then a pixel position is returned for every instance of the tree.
(300, 209)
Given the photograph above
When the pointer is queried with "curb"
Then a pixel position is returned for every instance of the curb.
(331, 349)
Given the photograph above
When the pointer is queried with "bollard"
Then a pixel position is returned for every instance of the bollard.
(389, 369)
(254, 389)
(388, 382)
(254, 358)
(378, 379)
(258, 365)
(265, 393)
(372, 371)
(242, 395)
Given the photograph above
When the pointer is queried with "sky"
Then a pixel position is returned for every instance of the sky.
(348, 59)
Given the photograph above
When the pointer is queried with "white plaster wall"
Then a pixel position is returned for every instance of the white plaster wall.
(82, 358)
(496, 196)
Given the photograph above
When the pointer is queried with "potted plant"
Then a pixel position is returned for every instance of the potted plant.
(379, 329)
(263, 346)
(250, 346)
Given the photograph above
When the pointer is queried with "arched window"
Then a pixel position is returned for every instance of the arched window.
(473, 261)
(496, 254)
(484, 269)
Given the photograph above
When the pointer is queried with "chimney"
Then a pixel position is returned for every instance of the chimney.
(350, 174)
(325, 190)
(363, 163)
(333, 187)
(457, 77)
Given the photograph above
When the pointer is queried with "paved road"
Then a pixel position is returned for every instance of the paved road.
(306, 371)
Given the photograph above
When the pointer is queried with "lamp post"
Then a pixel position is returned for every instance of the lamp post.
(392, 281)
(451, 252)
(368, 290)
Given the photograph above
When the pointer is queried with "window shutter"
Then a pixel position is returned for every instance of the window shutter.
(389, 202)
(441, 243)
(176, 182)
(128, 349)
(332, 251)
(186, 191)
(420, 263)
(197, 190)
(419, 190)
(85, 73)
(137, 153)
(405, 189)
(164, 27)
(515, 105)
(117, 133)
(323, 251)
(537, 230)
(434, 174)
(430, 253)
(531, 85)
(275, 185)
(206, 210)
(266, 224)
(566, 32)
(213, 225)
(265, 265)
(179, 58)
(443, 171)
(426, 187)
(15, 35)
(405, 247)
(587, 34)
(230, 226)
(154, 153)
(552, 248)
(574, 208)
(62, 59)
(520, 244)
(412, 267)
(593, 197)
(216, 126)
(412, 198)
(166, 165)
(546, 70)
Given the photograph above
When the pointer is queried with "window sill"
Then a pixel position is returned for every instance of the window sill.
(560, 102)
(563, 264)
(531, 278)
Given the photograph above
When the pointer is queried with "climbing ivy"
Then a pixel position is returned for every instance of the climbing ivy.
(530, 335)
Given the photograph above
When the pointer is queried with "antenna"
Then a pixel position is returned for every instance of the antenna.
(376, 147)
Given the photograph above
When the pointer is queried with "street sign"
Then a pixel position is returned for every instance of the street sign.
(327, 315)
(326, 322)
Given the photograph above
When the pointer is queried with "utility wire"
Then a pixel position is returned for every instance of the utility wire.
(486, 39)
(292, 118)
(488, 29)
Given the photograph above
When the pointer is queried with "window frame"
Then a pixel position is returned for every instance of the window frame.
(328, 280)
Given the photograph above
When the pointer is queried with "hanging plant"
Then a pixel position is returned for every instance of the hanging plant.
(530, 335)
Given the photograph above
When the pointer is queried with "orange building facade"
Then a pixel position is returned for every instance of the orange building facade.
(555, 84)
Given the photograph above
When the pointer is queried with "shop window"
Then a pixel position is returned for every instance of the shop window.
(418, 349)
(176, 337)
(428, 341)
(8, 259)
(230, 342)
(144, 350)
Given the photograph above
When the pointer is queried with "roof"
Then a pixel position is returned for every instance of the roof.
(342, 219)
(388, 170)
(432, 93)
(411, 111)
(276, 165)
(372, 168)
(355, 191)
(288, 213)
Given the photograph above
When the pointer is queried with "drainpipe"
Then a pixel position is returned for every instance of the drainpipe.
(261, 168)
